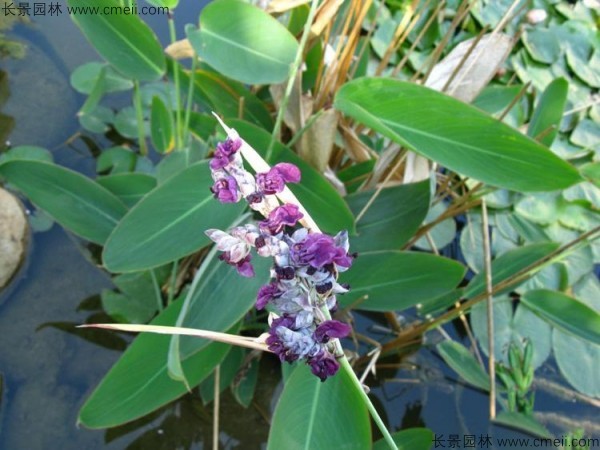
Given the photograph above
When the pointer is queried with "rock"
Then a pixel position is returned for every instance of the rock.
(13, 235)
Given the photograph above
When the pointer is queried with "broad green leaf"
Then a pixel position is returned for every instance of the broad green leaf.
(523, 423)
(84, 77)
(411, 439)
(320, 415)
(494, 100)
(392, 219)
(464, 363)
(162, 128)
(509, 264)
(129, 187)
(74, 201)
(258, 49)
(317, 195)
(168, 223)
(548, 112)
(139, 382)
(511, 328)
(26, 152)
(394, 280)
(456, 135)
(565, 312)
(578, 361)
(124, 40)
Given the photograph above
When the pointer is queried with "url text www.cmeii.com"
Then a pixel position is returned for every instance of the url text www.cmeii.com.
(27, 9)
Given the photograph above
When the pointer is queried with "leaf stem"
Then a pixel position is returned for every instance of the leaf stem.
(294, 68)
(173, 37)
(189, 103)
(159, 300)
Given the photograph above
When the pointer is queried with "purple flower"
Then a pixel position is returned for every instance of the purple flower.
(324, 365)
(331, 329)
(273, 181)
(281, 216)
(318, 250)
(226, 190)
(243, 266)
(265, 294)
(224, 152)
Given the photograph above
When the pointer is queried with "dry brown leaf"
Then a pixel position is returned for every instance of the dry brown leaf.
(180, 50)
(325, 15)
(279, 6)
(316, 144)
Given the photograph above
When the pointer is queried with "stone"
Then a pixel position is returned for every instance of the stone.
(13, 235)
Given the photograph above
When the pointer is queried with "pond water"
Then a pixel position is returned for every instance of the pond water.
(48, 367)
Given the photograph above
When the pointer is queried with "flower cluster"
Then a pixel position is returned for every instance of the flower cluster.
(306, 265)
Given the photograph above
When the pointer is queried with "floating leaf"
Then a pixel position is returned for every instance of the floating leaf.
(26, 152)
(392, 219)
(311, 414)
(578, 361)
(259, 49)
(84, 77)
(464, 363)
(168, 223)
(74, 201)
(124, 40)
(394, 280)
(456, 135)
(542, 45)
(565, 313)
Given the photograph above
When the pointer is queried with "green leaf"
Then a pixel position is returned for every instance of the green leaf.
(129, 187)
(411, 439)
(168, 223)
(26, 152)
(245, 384)
(548, 112)
(523, 423)
(394, 280)
(464, 363)
(511, 328)
(320, 415)
(442, 233)
(84, 78)
(542, 45)
(456, 135)
(578, 361)
(494, 100)
(586, 134)
(565, 312)
(139, 382)
(592, 172)
(228, 370)
(509, 264)
(124, 40)
(161, 126)
(392, 219)
(259, 49)
(74, 201)
(321, 200)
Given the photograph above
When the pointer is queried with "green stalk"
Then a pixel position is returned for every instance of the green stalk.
(137, 100)
(173, 37)
(188, 107)
(159, 302)
(293, 72)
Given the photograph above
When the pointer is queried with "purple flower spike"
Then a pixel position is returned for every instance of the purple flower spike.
(224, 152)
(281, 216)
(243, 266)
(273, 181)
(226, 190)
(331, 329)
(266, 294)
(324, 365)
(289, 172)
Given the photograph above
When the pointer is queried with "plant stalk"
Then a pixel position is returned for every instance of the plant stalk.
(173, 37)
(139, 114)
(294, 68)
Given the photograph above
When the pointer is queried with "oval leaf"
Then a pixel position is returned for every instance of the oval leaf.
(168, 223)
(74, 201)
(392, 219)
(454, 134)
(161, 126)
(464, 363)
(129, 187)
(258, 49)
(394, 280)
(565, 313)
(316, 415)
(124, 40)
